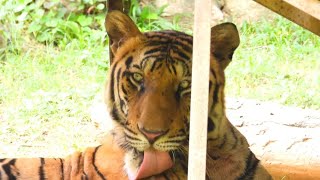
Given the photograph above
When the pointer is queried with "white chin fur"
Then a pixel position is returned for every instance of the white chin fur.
(132, 162)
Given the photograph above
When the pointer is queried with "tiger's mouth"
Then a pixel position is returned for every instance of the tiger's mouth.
(150, 158)
(153, 162)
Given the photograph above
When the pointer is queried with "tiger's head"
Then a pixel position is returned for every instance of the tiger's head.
(149, 85)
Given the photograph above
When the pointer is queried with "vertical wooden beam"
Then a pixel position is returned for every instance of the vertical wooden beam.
(199, 90)
(120, 5)
(305, 13)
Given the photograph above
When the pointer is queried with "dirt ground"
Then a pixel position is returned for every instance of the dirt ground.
(282, 136)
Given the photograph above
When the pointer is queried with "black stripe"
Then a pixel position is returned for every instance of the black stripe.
(41, 170)
(124, 90)
(136, 66)
(223, 141)
(211, 125)
(131, 138)
(112, 82)
(251, 166)
(61, 168)
(114, 114)
(149, 57)
(230, 55)
(154, 50)
(181, 134)
(185, 46)
(130, 131)
(235, 137)
(154, 64)
(174, 69)
(184, 168)
(215, 94)
(94, 165)
(172, 34)
(129, 61)
(213, 157)
(121, 106)
(126, 74)
(165, 176)
(159, 66)
(183, 55)
(118, 77)
(177, 95)
(84, 176)
(159, 42)
(118, 89)
(169, 68)
(214, 74)
(7, 169)
(1, 160)
(173, 141)
(173, 172)
(216, 89)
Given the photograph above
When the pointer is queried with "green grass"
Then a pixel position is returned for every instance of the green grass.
(45, 94)
(46, 90)
(278, 61)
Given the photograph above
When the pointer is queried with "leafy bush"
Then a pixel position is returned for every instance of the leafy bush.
(60, 22)
(149, 18)
(54, 21)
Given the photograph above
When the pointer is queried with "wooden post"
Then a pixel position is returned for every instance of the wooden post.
(199, 90)
(305, 13)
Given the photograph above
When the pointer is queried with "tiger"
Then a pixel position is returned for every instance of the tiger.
(148, 95)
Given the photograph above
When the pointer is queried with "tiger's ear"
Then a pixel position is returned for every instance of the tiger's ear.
(224, 41)
(120, 28)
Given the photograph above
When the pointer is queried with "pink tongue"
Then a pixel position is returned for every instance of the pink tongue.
(154, 162)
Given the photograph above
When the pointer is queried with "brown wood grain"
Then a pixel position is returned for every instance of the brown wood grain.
(304, 13)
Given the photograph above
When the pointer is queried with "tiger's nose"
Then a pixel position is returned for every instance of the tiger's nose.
(151, 135)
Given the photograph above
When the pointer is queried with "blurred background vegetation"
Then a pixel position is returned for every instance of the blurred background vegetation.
(54, 58)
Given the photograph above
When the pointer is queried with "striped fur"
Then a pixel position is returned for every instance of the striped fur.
(148, 90)
(160, 99)
(100, 162)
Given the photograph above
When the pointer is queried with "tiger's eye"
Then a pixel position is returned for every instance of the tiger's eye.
(137, 77)
(184, 84)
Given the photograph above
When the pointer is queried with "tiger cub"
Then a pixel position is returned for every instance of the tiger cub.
(148, 97)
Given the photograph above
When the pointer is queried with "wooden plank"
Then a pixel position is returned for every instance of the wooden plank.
(199, 90)
(305, 14)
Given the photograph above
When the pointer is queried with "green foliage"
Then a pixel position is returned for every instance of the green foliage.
(148, 18)
(54, 22)
(59, 22)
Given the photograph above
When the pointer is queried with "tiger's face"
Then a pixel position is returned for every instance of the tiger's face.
(151, 91)
(149, 85)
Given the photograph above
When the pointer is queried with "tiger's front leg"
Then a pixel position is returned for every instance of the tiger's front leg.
(95, 163)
